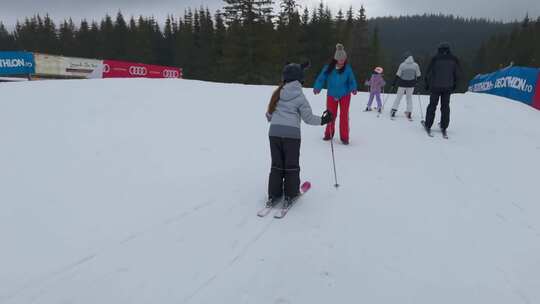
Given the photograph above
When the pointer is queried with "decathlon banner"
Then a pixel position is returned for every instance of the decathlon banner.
(516, 83)
(124, 69)
(16, 63)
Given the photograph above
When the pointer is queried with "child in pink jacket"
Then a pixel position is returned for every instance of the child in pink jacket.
(376, 84)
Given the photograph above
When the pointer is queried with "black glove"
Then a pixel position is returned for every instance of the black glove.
(454, 87)
(427, 87)
(326, 117)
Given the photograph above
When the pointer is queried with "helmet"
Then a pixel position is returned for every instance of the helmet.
(294, 71)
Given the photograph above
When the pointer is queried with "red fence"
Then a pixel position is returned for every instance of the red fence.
(124, 69)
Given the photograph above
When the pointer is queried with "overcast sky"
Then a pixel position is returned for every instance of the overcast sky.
(12, 10)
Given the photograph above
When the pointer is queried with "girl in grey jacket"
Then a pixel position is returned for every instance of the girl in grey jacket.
(287, 107)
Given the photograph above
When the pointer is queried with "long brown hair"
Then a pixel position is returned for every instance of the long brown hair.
(274, 99)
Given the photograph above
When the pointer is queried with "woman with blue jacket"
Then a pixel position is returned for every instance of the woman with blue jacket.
(339, 80)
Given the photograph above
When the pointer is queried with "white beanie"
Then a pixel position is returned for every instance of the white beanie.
(340, 52)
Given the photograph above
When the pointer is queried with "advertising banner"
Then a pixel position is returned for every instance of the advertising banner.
(59, 66)
(80, 67)
(124, 69)
(536, 98)
(517, 83)
(16, 63)
(48, 65)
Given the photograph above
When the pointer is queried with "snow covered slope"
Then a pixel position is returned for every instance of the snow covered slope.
(145, 191)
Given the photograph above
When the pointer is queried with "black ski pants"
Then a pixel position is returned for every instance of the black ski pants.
(285, 172)
(444, 96)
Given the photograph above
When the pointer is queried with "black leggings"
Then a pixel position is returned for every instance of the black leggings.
(285, 172)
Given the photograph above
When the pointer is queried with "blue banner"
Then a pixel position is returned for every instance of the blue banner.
(516, 83)
(16, 63)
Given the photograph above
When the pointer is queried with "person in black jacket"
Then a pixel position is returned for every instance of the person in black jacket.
(441, 80)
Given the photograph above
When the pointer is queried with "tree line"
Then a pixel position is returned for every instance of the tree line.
(244, 42)
(521, 46)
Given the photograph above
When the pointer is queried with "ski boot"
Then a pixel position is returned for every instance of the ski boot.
(287, 203)
(368, 109)
(272, 201)
(408, 115)
(428, 130)
(393, 113)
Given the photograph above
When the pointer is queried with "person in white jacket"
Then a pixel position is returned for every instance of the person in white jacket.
(406, 79)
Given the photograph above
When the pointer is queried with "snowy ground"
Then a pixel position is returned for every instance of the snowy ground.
(145, 191)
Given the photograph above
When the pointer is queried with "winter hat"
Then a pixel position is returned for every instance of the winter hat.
(444, 46)
(294, 71)
(340, 52)
(379, 70)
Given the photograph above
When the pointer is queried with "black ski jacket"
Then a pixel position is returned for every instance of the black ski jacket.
(443, 72)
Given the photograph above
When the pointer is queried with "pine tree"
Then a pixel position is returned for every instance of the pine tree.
(169, 33)
(68, 44)
(247, 19)
(359, 50)
(85, 43)
(119, 38)
(106, 35)
(218, 47)
(289, 32)
(7, 42)
(376, 56)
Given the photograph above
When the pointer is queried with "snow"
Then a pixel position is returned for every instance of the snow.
(146, 191)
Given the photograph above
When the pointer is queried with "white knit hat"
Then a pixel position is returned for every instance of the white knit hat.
(340, 52)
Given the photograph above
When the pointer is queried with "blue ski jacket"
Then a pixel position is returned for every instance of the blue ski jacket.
(337, 84)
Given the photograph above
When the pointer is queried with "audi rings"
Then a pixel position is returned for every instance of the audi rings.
(138, 71)
(171, 73)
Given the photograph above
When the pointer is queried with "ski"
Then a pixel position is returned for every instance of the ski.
(284, 210)
(444, 134)
(266, 210)
(423, 122)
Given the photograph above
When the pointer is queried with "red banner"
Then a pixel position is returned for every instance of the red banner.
(536, 98)
(124, 69)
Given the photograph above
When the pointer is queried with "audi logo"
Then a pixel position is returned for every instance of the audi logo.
(171, 73)
(138, 71)
(106, 68)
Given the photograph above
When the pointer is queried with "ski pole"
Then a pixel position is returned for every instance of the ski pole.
(333, 156)
(334, 162)
(386, 95)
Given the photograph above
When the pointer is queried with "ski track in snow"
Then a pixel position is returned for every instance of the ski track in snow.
(231, 263)
(36, 284)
